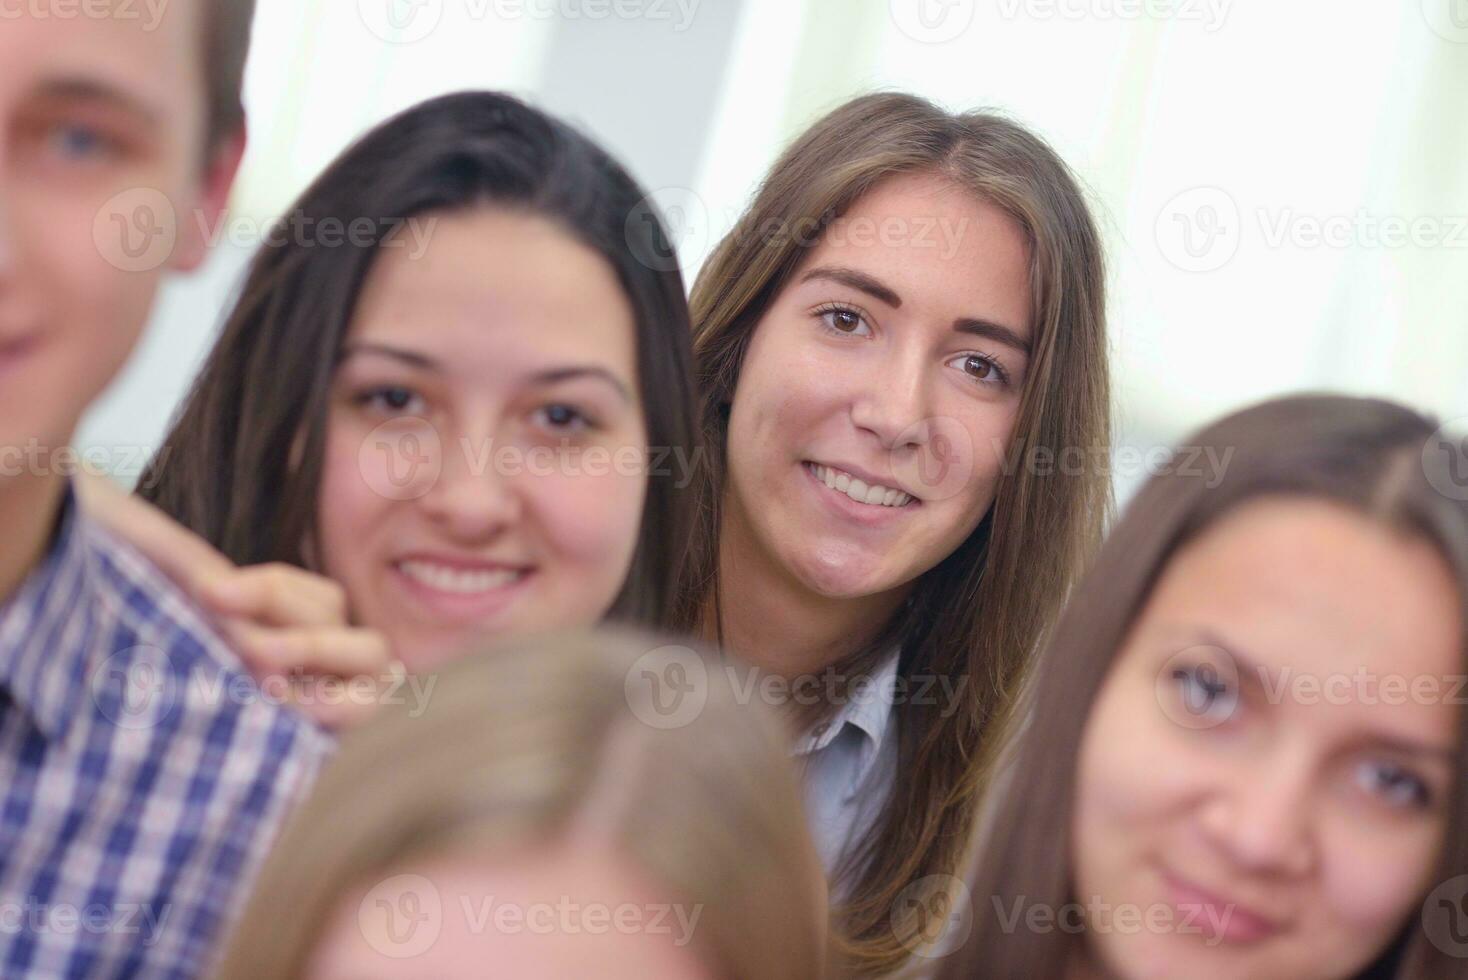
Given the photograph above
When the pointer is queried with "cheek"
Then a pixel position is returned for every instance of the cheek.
(1372, 883)
(95, 310)
(591, 519)
(349, 509)
(785, 391)
(1131, 777)
(958, 469)
(981, 448)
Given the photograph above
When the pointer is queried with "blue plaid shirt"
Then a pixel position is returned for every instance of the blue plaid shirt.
(142, 774)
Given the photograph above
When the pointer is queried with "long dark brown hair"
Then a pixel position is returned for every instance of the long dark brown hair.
(243, 466)
(1373, 456)
(977, 616)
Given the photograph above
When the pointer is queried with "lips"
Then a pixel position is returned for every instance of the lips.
(1218, 915)
(860, 486)
(459, 581)
(453, 589)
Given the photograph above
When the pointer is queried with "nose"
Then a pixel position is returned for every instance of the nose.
(1263, 819)
(892, 400)
(475, 498)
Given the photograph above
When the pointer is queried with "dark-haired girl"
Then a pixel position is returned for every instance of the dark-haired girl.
(440, 422)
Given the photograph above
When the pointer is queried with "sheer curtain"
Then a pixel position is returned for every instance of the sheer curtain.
(1282, 186)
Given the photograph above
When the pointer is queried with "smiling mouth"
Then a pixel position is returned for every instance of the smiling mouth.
(872, 494)
(1214, 913)
(460, 581)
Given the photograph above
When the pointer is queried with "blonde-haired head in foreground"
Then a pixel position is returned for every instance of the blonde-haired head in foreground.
(585, 801)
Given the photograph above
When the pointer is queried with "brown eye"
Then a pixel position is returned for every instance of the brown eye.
(393, 400)
(848, 322)
(985, 370)
(979, 367)
(562, 418)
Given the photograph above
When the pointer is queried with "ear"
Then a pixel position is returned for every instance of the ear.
(194, 230)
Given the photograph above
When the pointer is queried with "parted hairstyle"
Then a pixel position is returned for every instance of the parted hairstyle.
(244, 456)
(980, 613)
(1378, 458)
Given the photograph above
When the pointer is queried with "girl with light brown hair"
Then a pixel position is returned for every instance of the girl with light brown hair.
(907, 318)
(593, 804)
(1242, 755)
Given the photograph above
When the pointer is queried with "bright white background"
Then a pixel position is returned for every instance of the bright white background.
(1283, 185)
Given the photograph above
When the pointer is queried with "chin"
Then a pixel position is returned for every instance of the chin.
(844, 575)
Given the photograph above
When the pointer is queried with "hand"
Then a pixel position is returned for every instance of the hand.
(289, 626)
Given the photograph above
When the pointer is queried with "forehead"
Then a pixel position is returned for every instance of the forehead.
(946, 251)
(149, 49)
(486, 290)
(1319, 589)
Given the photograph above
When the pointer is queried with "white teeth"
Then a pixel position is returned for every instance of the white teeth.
(875, 494)
(456, 580)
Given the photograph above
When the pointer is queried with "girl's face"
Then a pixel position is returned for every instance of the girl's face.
(878, 393)
(1263, 778)
(486, 450)
(572, 912)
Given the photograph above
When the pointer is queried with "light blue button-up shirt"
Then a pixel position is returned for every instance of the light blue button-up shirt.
(850, 761)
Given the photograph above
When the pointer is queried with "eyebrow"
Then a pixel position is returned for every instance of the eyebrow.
(1410, 746)
(79, 88)
(863, 282)
(549, 376)
(409, 357)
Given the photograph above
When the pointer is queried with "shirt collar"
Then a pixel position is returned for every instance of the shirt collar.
(868, 710)
(46, 628)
